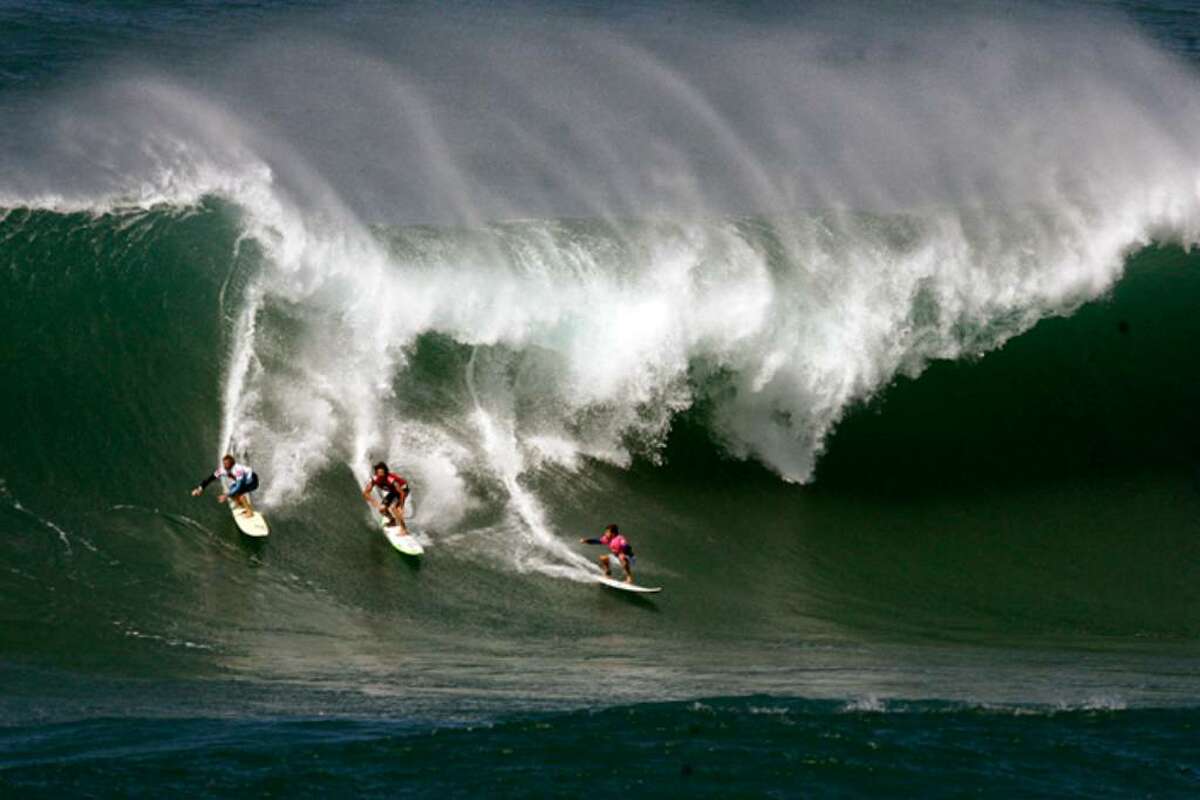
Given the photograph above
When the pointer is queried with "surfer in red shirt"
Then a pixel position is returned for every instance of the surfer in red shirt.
(619, 547)
(392, 490)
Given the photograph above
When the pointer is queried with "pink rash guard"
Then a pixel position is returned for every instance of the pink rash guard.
(617, 544)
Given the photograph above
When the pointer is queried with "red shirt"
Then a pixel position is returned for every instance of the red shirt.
(390, 483)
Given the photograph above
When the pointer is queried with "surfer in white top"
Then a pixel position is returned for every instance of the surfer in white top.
(243, 481)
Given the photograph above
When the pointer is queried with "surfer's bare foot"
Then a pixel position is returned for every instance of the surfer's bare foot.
(629, 579)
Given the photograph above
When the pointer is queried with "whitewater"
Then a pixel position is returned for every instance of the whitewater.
(779, 240)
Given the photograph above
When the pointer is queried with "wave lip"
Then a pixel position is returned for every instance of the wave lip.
(1000, 171)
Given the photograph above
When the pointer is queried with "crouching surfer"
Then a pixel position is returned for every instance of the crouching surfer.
(242, 481)
(619, 548)
(391, 490)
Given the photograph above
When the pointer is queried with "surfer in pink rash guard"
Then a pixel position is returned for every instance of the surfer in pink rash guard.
(620, 548)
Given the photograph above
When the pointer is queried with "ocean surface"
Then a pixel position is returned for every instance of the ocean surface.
(873, 325)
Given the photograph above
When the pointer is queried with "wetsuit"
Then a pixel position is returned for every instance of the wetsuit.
(618, 545)
(243, 480)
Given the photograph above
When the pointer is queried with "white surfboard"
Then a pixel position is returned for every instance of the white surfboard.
(253, 525)
(408, 545)
(627, 587)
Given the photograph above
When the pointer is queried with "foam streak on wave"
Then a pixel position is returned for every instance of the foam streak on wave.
(241, 364)
(499, 442)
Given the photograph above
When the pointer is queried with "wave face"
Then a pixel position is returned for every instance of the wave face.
(831, 312)
(820, 210)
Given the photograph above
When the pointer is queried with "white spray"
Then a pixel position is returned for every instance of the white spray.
(779, 219)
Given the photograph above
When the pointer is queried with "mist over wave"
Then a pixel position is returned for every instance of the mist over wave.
(609, 224)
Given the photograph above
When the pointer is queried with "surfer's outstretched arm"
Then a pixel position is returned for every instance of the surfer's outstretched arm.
(200, 487)
(370, 498)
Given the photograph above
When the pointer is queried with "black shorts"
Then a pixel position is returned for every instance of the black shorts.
(390, 498)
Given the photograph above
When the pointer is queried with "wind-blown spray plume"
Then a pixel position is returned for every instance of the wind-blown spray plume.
(776, 221)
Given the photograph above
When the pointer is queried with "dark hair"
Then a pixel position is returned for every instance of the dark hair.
(380, 466)
(613, 527)
(229, 456)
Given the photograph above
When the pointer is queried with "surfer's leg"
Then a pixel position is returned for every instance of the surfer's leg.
(627, 565)
(397, 510)
(243, 496)
(243, 505)
(388, 507)
(604, 566)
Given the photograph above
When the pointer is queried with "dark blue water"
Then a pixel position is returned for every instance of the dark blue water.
(757, 746)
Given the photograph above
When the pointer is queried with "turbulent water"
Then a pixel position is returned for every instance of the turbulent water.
(872, 327)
